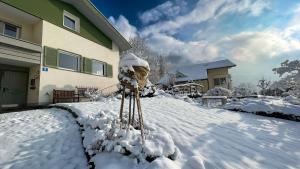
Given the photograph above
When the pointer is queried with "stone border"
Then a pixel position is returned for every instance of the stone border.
(81, 130)
(278, 115)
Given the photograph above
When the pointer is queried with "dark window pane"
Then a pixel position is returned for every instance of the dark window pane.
(10, 30)
(223, 81)
(97, 68)
(68, 22)
(68, 61)
(216, 82)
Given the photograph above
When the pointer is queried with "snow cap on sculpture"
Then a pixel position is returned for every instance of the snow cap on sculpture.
(133, 70)
(129, 60)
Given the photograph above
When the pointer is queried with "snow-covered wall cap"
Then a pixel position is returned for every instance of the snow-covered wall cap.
(129, 59)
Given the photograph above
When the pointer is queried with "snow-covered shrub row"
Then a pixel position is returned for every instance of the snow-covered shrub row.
(93, 94)
(102, 133)
(271, 106)
(292, 100)
(218, 91)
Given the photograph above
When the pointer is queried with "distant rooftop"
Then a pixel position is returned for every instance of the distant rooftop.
(198, 71)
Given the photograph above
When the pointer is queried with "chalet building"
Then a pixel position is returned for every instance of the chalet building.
(208, 75)
(54, 44)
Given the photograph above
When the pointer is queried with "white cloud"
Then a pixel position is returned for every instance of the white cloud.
(245, 46)
(167, 9)
(255, 8)
(191, 51)
(259, 6)
(250, 46)
(206, 10)
(294, 25)
(124, 27)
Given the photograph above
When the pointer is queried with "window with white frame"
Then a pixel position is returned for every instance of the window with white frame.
(10, 30)
(68, 61)
(71, 21)
(220, 81)
(98, 67)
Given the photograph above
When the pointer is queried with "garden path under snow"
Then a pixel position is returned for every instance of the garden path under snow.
(208, 138)
(37, 139)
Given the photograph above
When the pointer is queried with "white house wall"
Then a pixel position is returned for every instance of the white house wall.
(56, 37)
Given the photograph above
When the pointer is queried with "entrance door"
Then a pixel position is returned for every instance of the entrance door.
(13, 88)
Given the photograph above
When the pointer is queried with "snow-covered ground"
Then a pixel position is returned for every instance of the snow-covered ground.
(40, 139)
(206, 138)
(264, 104)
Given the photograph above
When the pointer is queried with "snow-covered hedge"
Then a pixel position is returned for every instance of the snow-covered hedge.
(218, 91)
(102, 133)
(292, 100)
(270, 106)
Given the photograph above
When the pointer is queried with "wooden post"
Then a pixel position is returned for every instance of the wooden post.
(133, 111)
(122, 106)
(141, 122)
(129, 117)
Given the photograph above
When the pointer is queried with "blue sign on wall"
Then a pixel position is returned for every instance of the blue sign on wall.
(45, 69)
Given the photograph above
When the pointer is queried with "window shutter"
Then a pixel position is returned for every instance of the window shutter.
(1, 27)
(81, 63)
(109, 70)
(50, 56)
(87, 66)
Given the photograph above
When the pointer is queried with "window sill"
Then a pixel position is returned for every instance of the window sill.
(70, 70)
(73, 30)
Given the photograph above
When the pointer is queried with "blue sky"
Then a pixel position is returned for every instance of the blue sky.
(257, 35)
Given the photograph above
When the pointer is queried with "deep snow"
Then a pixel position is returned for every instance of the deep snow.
(40, 139)
(207, 138)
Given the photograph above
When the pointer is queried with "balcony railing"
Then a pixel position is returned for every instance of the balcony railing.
(20, 43)
(12, 49)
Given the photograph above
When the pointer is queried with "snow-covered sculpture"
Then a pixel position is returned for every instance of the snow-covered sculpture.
(133, 76)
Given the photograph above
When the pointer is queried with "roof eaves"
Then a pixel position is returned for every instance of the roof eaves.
(126, 43)
(222, 67)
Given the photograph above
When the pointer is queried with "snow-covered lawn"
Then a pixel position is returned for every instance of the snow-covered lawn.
(206, 138)
(264, 104)
(40, 139)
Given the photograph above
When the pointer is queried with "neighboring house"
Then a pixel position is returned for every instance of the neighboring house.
(209, 75)
(54, 44)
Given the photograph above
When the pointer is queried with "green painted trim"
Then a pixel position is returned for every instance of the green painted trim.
(50, 57)
(85, 63)
(109, 70)
(52, 11)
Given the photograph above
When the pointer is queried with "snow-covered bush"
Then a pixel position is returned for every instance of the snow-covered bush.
(263, 84)
(149, 90)
(244, 89)
(219, 91)
(102, 133)
(93, 94)
(289, 71)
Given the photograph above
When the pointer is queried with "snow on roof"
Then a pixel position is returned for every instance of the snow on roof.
(130, 59)
(192, 72)
(197, 71)
(188, 84)
(217, 64)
